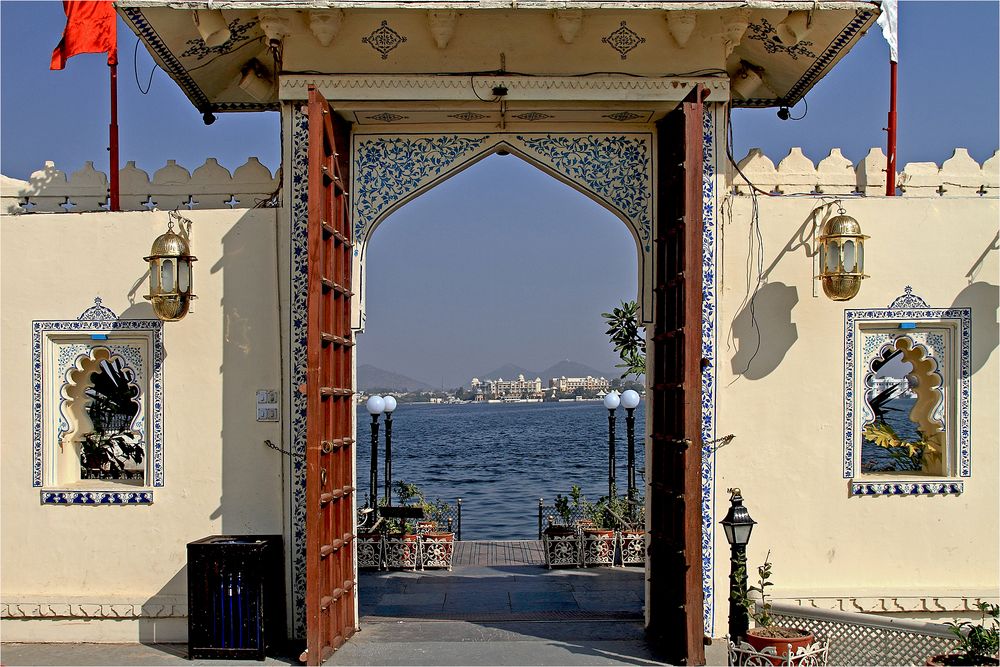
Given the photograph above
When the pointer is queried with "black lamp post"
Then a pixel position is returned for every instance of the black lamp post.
(630, 400)
(738, 526)
(611, 401)
(375, 406)
(390, 406)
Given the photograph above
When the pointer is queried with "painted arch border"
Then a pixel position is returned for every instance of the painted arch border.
(713, 121)
(614, 169)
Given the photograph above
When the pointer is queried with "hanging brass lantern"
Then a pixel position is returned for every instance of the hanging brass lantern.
(170, 274)
(842, 257)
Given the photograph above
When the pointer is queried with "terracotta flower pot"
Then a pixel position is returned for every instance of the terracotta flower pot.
(779, 638)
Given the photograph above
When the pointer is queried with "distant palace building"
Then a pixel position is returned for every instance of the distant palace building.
(569, 385)
(519, 388)
(880, 384)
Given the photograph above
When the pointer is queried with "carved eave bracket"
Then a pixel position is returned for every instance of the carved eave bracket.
(274, 23)
(734, 26)
(325, 24)
(568, 22)
(442, 26)
(681, 25)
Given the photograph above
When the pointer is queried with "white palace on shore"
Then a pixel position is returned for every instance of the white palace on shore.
(523, 388)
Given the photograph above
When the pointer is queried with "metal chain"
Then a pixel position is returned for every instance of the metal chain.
(282, 451)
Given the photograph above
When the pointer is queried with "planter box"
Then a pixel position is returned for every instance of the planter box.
(633, 547)
(369, 551)
(401, 551)
(437, 549)
(598, 547)
(562, 547)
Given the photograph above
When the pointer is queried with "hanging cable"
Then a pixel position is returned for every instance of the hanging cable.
(135, 70)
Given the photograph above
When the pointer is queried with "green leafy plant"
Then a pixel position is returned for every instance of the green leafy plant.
(614, 513)
(571, 507)
(412, 495)
(627, 337)
(110, 450)
(883, 435)
(977, 643)
(762, 615)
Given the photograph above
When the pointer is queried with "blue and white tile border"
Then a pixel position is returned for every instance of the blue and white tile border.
(440, 156)
(95, 320)
(711, 120)
(908, 308)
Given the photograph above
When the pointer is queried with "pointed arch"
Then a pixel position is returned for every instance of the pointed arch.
(615, 170)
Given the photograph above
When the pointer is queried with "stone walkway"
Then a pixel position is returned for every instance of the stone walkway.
(475, 615)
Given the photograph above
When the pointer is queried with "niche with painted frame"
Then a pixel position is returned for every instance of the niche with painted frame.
(98, 409)
(907, 398)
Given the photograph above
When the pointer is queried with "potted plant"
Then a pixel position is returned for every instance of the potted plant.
(401, 543)
(606, 516)
(562, 544)
(784, 641)
(108, 452)
(438, 546)
(977, 643)
(632, 535)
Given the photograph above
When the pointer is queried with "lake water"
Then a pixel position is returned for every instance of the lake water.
(501, 458)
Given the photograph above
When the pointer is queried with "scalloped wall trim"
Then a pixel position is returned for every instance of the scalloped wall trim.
(958, 176)
(209, 186)
(891, 604)
(161, 607)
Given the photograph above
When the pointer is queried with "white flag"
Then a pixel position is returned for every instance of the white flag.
(890, 29)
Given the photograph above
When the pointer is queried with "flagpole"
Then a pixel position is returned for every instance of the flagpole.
(113, 139)
(890, 165)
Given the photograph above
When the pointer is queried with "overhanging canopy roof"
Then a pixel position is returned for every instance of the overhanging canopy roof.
(535, 38)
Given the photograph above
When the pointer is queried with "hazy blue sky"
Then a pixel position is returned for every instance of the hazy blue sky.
(501, 263)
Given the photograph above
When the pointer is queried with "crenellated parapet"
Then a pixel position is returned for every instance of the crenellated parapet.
(50, 190)
(959, 176)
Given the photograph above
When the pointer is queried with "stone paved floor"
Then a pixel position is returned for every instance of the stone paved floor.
(501, 615)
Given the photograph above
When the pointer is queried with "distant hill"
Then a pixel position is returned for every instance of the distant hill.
(508, 372)
(573, 369)
(370, 377)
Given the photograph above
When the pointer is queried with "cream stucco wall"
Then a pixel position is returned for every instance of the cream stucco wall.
(920, 556)
(102, 573)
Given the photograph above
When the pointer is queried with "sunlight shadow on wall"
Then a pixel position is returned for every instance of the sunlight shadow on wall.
(764, 331)
(984, 299)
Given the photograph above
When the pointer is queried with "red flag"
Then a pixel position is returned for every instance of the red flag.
(91, 27)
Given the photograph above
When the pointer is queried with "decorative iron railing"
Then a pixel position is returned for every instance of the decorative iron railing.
(868, 639)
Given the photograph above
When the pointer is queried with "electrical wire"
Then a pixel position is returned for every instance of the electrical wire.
(135, 70)
(755, 248)
(805, 112)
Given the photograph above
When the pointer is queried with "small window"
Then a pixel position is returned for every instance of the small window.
(907, 398)
(97, 409)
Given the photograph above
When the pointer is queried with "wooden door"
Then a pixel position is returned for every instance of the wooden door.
(330, 570)
(676, 599)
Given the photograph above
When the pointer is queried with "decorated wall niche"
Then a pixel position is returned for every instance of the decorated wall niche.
(97, 409)
(907, 398)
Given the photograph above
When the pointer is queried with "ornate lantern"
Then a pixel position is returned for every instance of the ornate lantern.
(170, 274)
(842, 257)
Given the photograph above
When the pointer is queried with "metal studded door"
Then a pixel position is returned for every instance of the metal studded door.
(330, 580)
(676, 598)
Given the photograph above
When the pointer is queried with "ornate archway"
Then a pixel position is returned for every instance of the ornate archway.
(619, 170)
